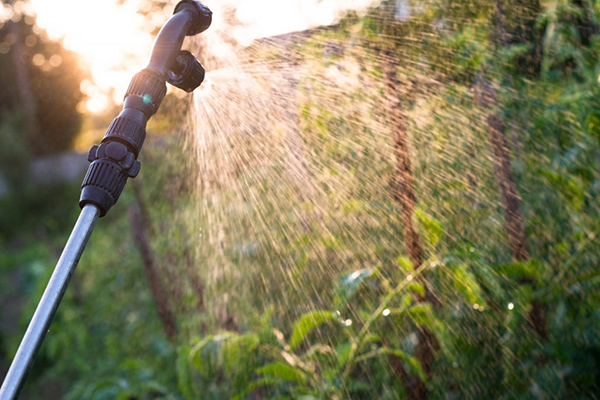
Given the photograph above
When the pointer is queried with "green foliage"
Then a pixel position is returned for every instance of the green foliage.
(320, 371)
(530, 270)
(432, 229)
(571, 188)
(54, 90)
(593, 123)
(348, 285)
(14, 155)
(221, 352)
(284, 372)
(466, 284)
(306, 324)
(132, 379)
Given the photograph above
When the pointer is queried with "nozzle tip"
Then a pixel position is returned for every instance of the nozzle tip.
(202, 16)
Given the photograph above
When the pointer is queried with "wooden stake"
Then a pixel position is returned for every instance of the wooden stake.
(404, 194)
(165, 314)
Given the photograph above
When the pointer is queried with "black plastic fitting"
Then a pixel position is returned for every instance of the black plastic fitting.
(115, 159)
(151, 87)
(186, 72)
(111, 164)
(202, 16)
(129, 128)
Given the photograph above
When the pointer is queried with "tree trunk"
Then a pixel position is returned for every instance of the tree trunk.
(404, 194)
(517, 23)
(195, 280)
(510, 199)
(522, 28)
(403, 190)
(165, 314)
(26, 96)
(143, 206)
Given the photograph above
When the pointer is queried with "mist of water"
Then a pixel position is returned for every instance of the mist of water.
(294, 161)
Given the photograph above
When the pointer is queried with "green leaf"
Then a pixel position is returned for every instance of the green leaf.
(592, 123)
(405, 265)
(414, 366)
(184, 381)
(466, 284)
(342, 352)
(422, 313)
(431, 227)
(570, 188)
(283, 371)
(372, 338)
(354, 206)
(417, 287)
(584, 283)
(522, 270)
(307, 323)
(417, 369)
(255, 385)
(405, 302)
(222, 352)
(237, 349)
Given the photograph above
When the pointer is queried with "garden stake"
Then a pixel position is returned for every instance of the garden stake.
(112, 162)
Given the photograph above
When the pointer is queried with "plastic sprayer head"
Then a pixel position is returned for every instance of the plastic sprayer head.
(202, 16)
(186, 72)
(115, 160)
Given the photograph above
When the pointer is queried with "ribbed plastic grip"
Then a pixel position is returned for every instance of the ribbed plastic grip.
(149, 86)
(128, 130)
(103, 184)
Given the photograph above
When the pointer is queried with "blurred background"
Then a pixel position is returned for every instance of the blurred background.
(364, 200)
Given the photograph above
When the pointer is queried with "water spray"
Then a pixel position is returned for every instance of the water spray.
(112, 163)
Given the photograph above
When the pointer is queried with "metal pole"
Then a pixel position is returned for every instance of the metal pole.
(49, 303)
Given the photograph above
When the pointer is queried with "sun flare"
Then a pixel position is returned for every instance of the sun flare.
(111, 39)
(114, 39)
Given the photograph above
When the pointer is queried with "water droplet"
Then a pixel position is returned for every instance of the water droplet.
(348, 322)
(31, 40)
(355, 275)
(38, 60)
(511, 306)
(386, 312)
(55, 60)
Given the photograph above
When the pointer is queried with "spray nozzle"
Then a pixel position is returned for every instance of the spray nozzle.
(186, 72)
(114, 161)
(201, 16)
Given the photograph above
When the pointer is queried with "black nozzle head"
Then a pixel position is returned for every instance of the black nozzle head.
(202, 16)
(186, 72)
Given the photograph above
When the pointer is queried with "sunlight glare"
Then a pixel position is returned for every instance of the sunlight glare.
(114, 40)
(262, 18)
(110, 38)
